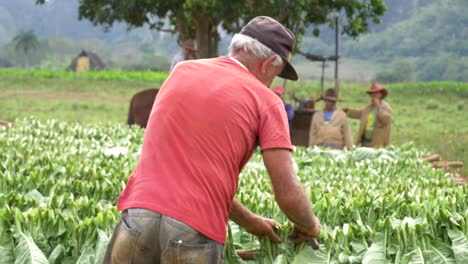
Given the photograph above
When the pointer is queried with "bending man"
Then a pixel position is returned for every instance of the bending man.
(206, 121)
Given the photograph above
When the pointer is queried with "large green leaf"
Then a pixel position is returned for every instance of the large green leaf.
(439, 253)
(280, 259)
(27, 252)
(459, 245)
(101, 246)
(414, 257)
(436, 253)
(310, 256)
(87, 257)
(7, 255)
(375, 254)
(56, 254)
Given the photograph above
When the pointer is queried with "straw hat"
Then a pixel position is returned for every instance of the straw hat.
(330, 95)
(377, 88)
(188, 44)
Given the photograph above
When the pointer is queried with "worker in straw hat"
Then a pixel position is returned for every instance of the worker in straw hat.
(187, 52)
(329, 127)
(376, 119)
(206, 122)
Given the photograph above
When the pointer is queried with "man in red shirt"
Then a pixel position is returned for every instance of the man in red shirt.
(206, 121)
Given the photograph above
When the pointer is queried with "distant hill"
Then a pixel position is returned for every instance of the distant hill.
(416, 40)
(439, 27)
(429, 43)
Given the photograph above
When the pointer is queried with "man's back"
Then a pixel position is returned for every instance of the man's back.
(205, 123)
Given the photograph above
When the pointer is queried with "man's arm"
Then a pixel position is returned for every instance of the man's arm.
(347, 134)
(289, 194)
(384, 114)
(313, 130)
(253, 223)
(351, 113)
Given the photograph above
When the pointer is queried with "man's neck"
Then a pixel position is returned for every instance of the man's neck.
(238, 62)
(246, 63)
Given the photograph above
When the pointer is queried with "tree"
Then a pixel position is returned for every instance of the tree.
(26, 42)
(201, 19)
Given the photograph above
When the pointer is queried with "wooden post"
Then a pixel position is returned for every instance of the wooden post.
(296, 29)
(337, 53)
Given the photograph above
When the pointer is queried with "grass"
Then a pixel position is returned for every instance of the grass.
(433, 115)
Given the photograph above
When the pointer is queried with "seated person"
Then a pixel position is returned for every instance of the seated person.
(279, 90)
(376, 119)
(330, 126)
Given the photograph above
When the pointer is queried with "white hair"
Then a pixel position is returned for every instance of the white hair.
(253, 47)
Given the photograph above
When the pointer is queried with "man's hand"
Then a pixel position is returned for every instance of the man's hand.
(301, 234)
(261, 226)
(253, 223)
(312, 231)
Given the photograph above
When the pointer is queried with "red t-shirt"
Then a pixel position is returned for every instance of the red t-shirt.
(203, 128)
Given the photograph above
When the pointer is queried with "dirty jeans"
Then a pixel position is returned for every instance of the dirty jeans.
(143, 236)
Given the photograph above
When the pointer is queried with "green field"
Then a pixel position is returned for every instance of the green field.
(60, 175)
(59, 182)
(432, 115)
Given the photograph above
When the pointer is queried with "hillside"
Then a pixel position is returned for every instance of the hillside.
(415, 41)
(431, 44)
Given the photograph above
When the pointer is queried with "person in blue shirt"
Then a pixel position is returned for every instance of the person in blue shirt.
(329, 127)
(279, 90)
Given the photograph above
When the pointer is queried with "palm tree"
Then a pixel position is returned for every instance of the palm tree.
(26, 42)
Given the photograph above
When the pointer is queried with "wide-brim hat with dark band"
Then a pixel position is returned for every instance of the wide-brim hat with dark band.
(330, 95)
(377, 88)
(275, 36)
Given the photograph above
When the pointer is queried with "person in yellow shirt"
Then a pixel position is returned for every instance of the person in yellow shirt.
(329, 127)
(376, 119)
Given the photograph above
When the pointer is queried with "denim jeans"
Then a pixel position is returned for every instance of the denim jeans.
(143, 236)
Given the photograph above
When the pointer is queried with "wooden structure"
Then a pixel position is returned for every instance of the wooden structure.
(4, 123)
(300, 127)
(86, 61)
(453, 168)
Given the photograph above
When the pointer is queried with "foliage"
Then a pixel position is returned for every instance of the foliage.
(433, 38)
(59, 182)
(444, 66)
(380, 209)
(58, 190)
(93, 75)
(202, 17)
(400, 71)
(26, 42)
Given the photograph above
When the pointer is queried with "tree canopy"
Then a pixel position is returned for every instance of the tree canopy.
(200, 19)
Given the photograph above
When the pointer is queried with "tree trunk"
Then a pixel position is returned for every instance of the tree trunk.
(182, 26)
(207, 36)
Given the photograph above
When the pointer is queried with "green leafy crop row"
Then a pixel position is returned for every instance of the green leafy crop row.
(59, 183)
(92, 75)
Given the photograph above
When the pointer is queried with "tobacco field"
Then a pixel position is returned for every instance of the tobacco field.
(59, 182)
